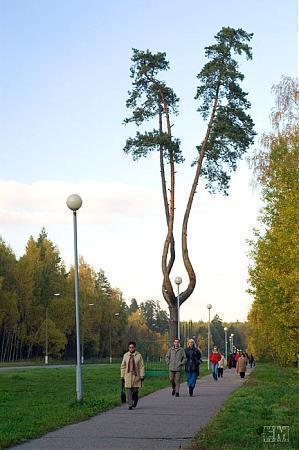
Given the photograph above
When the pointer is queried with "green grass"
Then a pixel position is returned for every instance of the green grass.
(269, 397)
(35, 401)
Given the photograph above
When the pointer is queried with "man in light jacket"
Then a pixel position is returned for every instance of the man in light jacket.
(175, 359)
(132, 373)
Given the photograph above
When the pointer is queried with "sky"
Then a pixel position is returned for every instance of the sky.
(64, 79)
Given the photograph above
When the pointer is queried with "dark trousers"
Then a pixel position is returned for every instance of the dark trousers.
(132, 394)
(220, 372)
(242, 374)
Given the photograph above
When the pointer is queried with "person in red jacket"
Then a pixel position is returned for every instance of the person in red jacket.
(215, 357)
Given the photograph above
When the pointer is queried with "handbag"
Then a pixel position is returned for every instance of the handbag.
(123, 395)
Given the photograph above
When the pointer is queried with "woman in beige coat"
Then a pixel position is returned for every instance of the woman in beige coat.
(241, 365)
(132, 373)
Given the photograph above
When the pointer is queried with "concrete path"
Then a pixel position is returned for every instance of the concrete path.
(159, 422)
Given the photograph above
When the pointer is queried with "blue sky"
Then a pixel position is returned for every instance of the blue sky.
(63, 84)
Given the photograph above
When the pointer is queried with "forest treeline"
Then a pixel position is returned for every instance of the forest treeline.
(37, 300)
(274, 273)
(37, 292)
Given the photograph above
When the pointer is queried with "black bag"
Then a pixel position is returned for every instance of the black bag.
(123, 395)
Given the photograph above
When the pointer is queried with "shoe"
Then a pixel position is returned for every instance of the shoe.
(130, 407)
(177, 394)
(191, 391)
(173, 392)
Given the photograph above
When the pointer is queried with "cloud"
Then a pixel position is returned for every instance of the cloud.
(45, 201)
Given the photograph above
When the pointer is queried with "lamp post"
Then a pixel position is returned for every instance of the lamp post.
(225, 341)
(209, 306)
(110, 346)
(83, 336)
(178, 281)
(46, 333)
(232, 341)
(74, 202)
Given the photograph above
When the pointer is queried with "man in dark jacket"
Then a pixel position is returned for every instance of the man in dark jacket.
(193, 356)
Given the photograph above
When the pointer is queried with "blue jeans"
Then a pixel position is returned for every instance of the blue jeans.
(191, 378)
(215, 370)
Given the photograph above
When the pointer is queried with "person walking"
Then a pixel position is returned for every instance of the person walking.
(193, 356)
(251, 360)
(241, 365)
(238, 355)
(132, 373)
(221, 365)
(215, 357)
(175, 359)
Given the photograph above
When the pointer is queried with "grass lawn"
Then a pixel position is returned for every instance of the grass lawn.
(35, 401)
(270, 397)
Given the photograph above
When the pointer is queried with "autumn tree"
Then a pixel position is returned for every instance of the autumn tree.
(9, 314)
(229, 132)
(30, 310)
(45, 275)
(273, 274)
(217, 332)
(133, 306)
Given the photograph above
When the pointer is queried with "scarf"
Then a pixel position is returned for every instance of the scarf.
(132, 365)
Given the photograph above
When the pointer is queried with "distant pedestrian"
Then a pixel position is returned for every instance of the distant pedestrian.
(230, 361)
(132, 373)
(215, 357)
(238, 355)
(241, 365)
(221, 365)
(234, 359)
(193, 356)
(175, 359)
(251, 360)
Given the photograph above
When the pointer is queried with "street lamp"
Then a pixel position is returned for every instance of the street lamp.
(46, 337)
(83, 336)
(232, 341)
(74, 202)
(110, 347)
(178, 281)
(209, 306)
(225, 341)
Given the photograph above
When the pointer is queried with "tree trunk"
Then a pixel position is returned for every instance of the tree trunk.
(167, 289)
(187, 263)
(14, 355)
(20, 350)
(6, 347)
(2, 344)
(165, 198)
(29, 350)
(11, 347)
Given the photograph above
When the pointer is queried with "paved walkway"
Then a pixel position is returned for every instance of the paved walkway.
(159, 422)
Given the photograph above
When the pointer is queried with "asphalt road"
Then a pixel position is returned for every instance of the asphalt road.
(159, 422)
